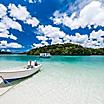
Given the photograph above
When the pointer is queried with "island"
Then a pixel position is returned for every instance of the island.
(66, 49)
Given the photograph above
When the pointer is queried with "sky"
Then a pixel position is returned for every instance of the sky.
(28, 24)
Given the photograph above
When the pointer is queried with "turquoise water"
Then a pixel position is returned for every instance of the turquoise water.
(75, 62)
(64, 65)
(63, 79)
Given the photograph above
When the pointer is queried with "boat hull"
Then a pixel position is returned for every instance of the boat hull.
(14, 75)
(45, 56)
(10, 80)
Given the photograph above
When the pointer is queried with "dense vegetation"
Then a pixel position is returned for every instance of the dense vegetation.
(66, 49)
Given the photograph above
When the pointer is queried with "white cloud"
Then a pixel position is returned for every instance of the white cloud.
(3, 27)
(4, 35)
(95, 40)
(7, 23)
(44, 43)
(14, 45)
(2, 50)
(21, 13)
(5, 44)
(3, 10)
(13, 37)
(78, 38)
(78, 5)
(41, 37)
(92, 40)
(67, 39)
(96, 35)
(8, 50)
(31, 1)
(59, 37)
(32, 21)
(51, 32)
(35, 1)
(16, 13)
(11, 24)
(37, 45)
(91, 14)
(57, 41)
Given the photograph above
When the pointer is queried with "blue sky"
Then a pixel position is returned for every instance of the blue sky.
(27, 24)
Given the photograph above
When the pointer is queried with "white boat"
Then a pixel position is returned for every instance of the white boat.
(18, 73)
(45, 55)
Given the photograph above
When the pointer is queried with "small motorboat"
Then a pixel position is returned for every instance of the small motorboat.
(45, 55)
(20, 72)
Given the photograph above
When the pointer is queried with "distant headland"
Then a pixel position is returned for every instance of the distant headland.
(66, 49)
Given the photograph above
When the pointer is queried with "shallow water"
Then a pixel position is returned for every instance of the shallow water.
(62, 80)
(75, 62)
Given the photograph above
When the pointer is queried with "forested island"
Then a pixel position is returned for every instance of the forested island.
(66, 49)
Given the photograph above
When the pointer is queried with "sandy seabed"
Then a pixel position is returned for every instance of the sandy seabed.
(54, 87)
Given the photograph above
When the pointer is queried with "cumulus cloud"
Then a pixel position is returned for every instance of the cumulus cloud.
(52, 33)
(3, 10)
(5, 50)
(3, 27)
(13, 37)
(2, 50)
(91, 14)
(78, 38)
(15, 13)
(14, 45)
(96, 35)
(4, 35)
(21, 13)
(78, 5)
(92, 40)
(45, 43)
(32, 21)
(41, 38)
(11, 24)
(37, 45)
(8, 50)
(7, 23)
(35, 1)
(5, 44)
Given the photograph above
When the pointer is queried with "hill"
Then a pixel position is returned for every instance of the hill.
(66, 49)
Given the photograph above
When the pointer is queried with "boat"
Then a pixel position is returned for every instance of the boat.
(45, 55)
(20, 72)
